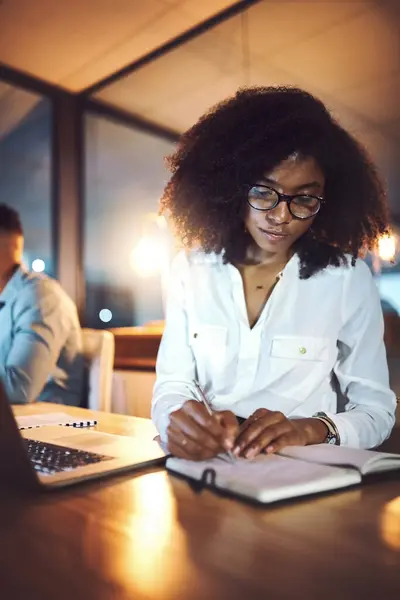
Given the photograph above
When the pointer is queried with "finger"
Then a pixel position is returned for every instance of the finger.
(210, 423)
(184, 447)
(282, 442)
(177, 443)
(230, 426)
(192, 430)
(260, 412)
(246, 424)
(243, 426)
(267, 438)
(189, 453)
(256, 415)
(176, 449)
(254, 430)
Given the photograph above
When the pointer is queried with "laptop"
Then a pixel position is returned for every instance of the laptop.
(54, 457)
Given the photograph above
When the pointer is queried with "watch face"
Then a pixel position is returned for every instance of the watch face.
(331, 439)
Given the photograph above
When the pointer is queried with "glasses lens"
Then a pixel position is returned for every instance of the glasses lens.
(262, 197)
(304, 207)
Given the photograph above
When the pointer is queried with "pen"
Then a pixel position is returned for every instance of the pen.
(210, 412)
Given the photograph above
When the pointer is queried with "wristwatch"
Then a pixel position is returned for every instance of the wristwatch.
(332, 436)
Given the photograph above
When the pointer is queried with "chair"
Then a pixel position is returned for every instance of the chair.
(98, 350)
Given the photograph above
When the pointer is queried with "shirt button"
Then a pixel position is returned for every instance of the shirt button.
(302, 350)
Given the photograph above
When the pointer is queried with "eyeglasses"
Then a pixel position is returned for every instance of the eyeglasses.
(301, 206)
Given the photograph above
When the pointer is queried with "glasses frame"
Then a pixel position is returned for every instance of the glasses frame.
(284, 198)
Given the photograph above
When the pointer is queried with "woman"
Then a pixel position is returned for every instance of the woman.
(270, 308)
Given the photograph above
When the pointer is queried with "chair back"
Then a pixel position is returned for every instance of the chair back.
(98, 350)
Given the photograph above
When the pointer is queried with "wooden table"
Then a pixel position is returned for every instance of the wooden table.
(149, 536)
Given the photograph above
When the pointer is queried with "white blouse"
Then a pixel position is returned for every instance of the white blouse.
(311, 334)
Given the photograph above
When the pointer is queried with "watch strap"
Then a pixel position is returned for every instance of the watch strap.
(333, 436)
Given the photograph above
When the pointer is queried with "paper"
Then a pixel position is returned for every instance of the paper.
(366, 461)
(59, 418)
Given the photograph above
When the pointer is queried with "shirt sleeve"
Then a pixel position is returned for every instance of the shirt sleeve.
(40, 330)
(362, 370)
(175, 367)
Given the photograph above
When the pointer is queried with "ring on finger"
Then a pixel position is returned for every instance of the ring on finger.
(183, 442)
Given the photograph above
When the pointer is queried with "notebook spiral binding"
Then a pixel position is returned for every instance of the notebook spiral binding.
(76, 424)
(208, 479)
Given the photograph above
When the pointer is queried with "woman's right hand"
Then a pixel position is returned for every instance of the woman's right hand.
(196, 435)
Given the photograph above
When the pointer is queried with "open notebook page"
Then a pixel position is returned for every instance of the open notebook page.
(268, 478)
(366, 461)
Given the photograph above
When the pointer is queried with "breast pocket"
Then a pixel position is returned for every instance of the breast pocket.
(300, 348)
(209, 346)
(299, 364)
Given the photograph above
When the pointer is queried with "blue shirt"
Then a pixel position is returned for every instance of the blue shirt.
(40, 341)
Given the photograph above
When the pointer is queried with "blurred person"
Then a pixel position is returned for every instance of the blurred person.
(270, 307)
(40, 336)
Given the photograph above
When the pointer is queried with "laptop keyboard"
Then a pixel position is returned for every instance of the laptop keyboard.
(49, 459)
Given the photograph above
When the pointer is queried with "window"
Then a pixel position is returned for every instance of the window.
(386, 267)
(125, 245)
(25, 169)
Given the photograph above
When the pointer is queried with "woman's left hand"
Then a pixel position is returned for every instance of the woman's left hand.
(269, 431)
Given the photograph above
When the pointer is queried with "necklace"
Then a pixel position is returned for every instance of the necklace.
(277, 278)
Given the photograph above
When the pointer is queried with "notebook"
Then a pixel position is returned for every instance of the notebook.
(296, 471)
(58, 418)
